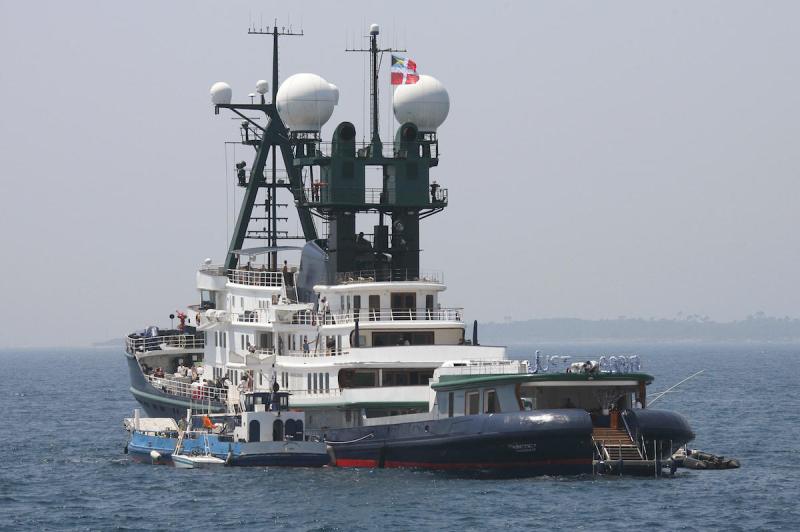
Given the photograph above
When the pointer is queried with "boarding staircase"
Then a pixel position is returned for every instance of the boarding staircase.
(615, 444)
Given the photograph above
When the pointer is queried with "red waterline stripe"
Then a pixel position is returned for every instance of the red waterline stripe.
(348, 462)
(488, 465)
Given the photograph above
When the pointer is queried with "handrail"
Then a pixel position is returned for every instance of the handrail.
(404, 275)
(321, 192)
(256, 277)
(308, 317)
(388, 149)
(154, 343)
(184, 389)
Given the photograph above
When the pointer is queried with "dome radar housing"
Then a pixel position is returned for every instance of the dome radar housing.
(424, 103)
(262, 86)
(221, 93)
(305, 102)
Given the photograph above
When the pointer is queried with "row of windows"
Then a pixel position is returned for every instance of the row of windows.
(220, 339)
(491, 403)
(318, 382)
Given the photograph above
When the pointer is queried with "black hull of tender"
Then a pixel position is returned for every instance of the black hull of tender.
(157, 403)
(659, 432)
(555, 442)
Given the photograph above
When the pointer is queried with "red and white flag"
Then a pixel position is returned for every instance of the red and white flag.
(404, 71)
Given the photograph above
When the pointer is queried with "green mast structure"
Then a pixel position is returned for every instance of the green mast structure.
(404, 198)
(339, 194)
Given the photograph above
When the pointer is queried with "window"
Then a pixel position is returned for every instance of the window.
(327, 382)
(374, 308)
(473, 400)
(309, 382)
(356, 306)
(491, 405)
(380, 338)
(216, 338)
(450, 397)
(429, 306)
(315, 382)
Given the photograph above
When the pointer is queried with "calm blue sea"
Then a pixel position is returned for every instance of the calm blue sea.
(62, 466)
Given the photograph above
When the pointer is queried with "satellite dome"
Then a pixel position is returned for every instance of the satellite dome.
(306, 101)
(262, 86)
(424, 103)
(221, 93)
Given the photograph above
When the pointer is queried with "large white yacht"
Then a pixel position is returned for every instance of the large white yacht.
(356, 329)
(357, 333)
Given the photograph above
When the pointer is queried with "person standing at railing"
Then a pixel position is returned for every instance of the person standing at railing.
(306, 347)
(434, 189)
(324, 309)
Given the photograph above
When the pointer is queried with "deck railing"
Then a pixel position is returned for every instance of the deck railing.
(323, 193)
(306, 317)
(256, 277)
(186, 390)
(141, 344)
(372, 276)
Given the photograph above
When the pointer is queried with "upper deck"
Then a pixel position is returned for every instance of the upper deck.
(164, 340)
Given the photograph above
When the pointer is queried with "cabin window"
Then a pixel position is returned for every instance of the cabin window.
(404, 305)
(277, 430)
(327, 382)
(356, 306)
(374, 308)
(309, 382)
(473, 400)
(315, 382)
(216, 338)
(402, 338)
(207, 299)
(429, 306)
(450, 398)
(352, 378)
(254, 431)
(491, 404)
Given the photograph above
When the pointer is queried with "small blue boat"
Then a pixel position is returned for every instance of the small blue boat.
(263, 432)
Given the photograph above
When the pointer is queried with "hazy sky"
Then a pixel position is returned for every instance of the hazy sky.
(603, 158)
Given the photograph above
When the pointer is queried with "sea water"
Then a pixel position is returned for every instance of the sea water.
(62, 464)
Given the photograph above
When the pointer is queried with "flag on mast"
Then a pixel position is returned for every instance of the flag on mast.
(404, 71)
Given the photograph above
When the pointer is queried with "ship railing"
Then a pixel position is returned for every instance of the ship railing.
(179, 388)
(388, 275)
(142, 344)
(412, 314)
(315, 319)
(487, 367)
(429, 148)
(255, 276)
(321, 192)
(319, 392)
(315, 353)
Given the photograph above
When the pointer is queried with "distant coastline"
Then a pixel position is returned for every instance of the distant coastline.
(754, 328)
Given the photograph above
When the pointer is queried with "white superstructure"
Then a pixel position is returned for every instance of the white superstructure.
(255, 329)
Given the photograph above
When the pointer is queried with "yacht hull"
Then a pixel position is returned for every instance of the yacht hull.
(557, 442)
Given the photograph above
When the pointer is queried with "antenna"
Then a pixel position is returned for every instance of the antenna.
(373, 51)
(272, 191)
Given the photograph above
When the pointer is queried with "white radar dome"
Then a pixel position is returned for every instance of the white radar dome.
(306, 101)
(221, 93)
(424, 103)
(262, 86)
